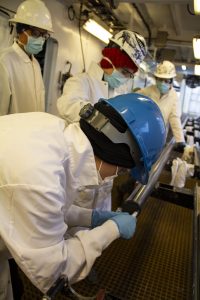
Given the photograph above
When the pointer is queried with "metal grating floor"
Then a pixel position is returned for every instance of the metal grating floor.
(155, 265)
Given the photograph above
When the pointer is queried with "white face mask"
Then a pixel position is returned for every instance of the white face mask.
(106, 179)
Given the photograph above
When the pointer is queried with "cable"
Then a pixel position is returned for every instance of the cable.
(72, 16)
(190, 12)
(79, 296)
(62, 285)
(12, 11)
(144, 21)
(80, 34)
(4, 12)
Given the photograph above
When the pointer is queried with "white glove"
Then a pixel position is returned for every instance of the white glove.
(180, 170)
(181, 175)
(174, 169)
(188, 154)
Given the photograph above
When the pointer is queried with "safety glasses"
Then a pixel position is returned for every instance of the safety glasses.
(35, 32)
(127, 73)
(169, 81)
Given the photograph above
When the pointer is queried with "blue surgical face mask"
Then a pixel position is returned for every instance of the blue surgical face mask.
(34, 45)
(163, 87)
(115, 79)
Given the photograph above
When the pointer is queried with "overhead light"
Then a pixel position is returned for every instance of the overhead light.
(97, 30)
(197, 7)
(196, 46)
(197, 70)
(183, 67)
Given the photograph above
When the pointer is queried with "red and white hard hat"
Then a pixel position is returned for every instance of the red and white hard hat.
(33, 13)
(166, 69)
(132, 43)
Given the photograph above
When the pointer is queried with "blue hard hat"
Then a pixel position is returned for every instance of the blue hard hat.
(146, 124)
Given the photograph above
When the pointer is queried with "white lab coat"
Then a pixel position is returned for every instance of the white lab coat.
(169, 107)
(86, 88)
(43, 163)
(21, 84)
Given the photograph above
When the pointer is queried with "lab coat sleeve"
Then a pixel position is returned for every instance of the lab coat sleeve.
(143, 92)
(175, 122)
(33, 228)
(76, 94)
(5, 91)
(78, 216)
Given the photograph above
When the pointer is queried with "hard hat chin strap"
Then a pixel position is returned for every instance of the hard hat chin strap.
(106, 58)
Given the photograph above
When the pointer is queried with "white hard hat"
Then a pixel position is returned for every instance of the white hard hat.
(166, 69)
(133, 44)
(33, 13)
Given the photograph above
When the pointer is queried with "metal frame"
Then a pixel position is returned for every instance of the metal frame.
(196, 245)
(179, 196)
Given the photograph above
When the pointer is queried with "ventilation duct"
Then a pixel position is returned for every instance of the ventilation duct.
(165, 54)
(161, 39)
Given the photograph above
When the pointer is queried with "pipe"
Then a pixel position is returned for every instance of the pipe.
(144, 190)
(140, 194)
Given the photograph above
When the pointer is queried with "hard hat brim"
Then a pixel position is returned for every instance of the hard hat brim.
(164, 76)
(17, 20)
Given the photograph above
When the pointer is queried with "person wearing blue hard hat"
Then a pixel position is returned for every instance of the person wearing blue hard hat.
(111, 76)
(45, 164)
(125, 134)
(21, 83)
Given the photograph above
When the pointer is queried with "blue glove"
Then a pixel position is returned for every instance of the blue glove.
(101, 216)
(126, 224)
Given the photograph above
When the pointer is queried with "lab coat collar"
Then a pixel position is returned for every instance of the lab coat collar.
(95, 71)
(81, 156)
(21, 53)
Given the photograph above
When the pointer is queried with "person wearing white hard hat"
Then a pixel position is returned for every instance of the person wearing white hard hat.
(21, 83)
(166, 97)
(120, 60)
